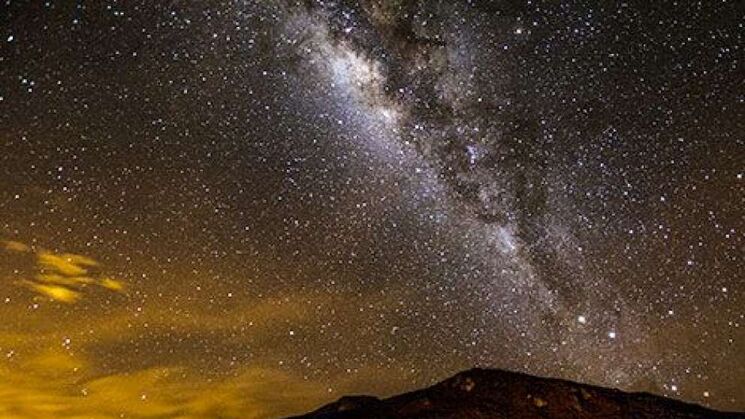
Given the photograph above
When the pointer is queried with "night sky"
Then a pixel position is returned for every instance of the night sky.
(251, 208)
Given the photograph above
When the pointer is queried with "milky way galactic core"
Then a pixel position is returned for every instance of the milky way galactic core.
(255, 207)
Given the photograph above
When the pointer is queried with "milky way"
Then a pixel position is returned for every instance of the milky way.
(201, 204)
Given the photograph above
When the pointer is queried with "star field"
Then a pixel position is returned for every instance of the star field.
(249, 208)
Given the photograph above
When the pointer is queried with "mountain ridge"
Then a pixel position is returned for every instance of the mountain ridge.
(497, 394)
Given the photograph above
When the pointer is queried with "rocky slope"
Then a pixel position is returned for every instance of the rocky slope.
(483, 393)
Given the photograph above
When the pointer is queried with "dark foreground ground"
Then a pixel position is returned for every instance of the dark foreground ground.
(496, 394)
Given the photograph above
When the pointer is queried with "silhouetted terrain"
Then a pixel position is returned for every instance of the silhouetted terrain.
(484, 393)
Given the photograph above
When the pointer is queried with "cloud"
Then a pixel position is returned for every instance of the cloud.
(15, 246)
(52, 385)
(55, 292)
(64, 280)
(66, 264)
(104, 360)
(111, 284)
(62, 277)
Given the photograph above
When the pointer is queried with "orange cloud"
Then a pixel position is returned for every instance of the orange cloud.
(62, 276)
(15, 246)
(65, 264)
(55, 292)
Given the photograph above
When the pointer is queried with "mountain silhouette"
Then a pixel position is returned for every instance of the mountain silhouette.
(498, 394)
